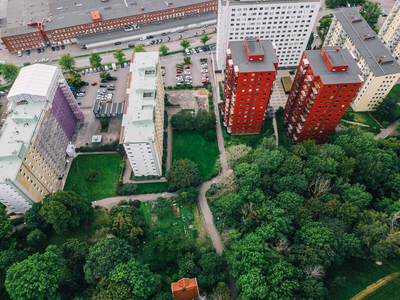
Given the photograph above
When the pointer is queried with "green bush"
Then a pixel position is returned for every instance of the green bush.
(35, 238)
(165, 119)
(210, 135)
(104, 124)
(165, 140)
(17, 221)
(93, 175)
(126, 189)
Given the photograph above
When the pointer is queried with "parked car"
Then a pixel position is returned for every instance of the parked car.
(168, 39)
(153, 42)
(104, 80)
(2, 62)
(62, 46)
(57, 48)
(188, 77)
(79, 102)
(38, 50)
(102, 69)
(131, 46)
(20, 53)
(111, 88)
(187, 73)
(149, 37)
(27, 63)
(106, 68)
(180, 37)
(122, 66)
(28, 52)
(81, 91)
(187, 67)
(179, 71)
(194, 51)
(87, 71)
(94, 83)
(178, 77)
(103, 85)
(80, 95)
(53, 49)
(117, 43)
(83, 72)
(164, 33)
(143, 38)
(91, 70)
(125, 65)
(181, 30)
(205, 81)
(204, 71)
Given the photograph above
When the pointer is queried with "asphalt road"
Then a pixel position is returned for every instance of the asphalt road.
(75, 50)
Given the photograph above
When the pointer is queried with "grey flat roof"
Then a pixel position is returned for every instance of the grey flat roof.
(254, 47)
(247, 2)
(369, 49)
(146, 29)
(335, 57)
(239, 57)
(71, 14)
(320, 68)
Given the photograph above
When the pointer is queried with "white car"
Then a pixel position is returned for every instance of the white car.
(187, 73)
(188, 77)
(204, 71)
(194, 51)
(37, 61)
(45, 59)
(204, 66)
(80, 95)
(179, 78)
(143, 38)
(2, 62)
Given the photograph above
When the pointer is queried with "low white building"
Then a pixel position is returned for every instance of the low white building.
(143, 120)
(288, 24)
(390, 31)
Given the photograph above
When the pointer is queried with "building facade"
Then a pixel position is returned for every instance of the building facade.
(51, 24)
(325, 83)
(380, 70)
(143, 119)
(35, 136)
(390, 31)
(287, 24)
(250, 71)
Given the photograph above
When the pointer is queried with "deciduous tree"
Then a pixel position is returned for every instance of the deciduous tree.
(36, 277)
(95, 60)
(67, 63)
(10, 73)
(371, 11)
(205, 120)
(163, 49)
(139, 48)
(119, 55)
(183, 174)
(185, 44)
(65, 210)
(104, 256)
(74, 252)
(33, 219)
(35, 238)
(163, 208)
(211, 269)
(183, 121)
(386, 109)
(205, 38)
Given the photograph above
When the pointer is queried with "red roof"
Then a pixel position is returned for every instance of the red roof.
(185, 289)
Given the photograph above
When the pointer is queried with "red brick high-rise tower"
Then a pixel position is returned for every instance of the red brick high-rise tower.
(249, 77)
(326, 82)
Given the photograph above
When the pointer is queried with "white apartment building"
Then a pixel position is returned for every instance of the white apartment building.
(288, 24)
(143, 120)
(390, 31)
(380, 70)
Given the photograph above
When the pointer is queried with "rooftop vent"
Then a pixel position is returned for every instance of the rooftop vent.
(354, 19)
(367, 36)
(384, 59)
(133, 3)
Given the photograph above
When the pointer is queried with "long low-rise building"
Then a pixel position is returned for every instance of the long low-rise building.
(56, 23)
(380, 70)
(143, 121)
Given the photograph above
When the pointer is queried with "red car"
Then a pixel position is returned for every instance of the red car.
(178, 71)
(205, 81)
(205, 76)
(94, 83)
(187, 67)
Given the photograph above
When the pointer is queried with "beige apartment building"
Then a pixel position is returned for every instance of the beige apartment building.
(390, 31)
(380, 70)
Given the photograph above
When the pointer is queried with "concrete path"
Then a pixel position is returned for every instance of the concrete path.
(110, 202)
(390, 130)
(275, 131)
(355, 123)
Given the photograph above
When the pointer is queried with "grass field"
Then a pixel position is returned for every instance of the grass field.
(284, 139)
(153, 187)
(363, 118)
(108, 167)
(96, 230)
(359, 275)
(386, 288)
(196, 228)
(193, 146)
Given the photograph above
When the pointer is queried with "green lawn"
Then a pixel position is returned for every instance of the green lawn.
(97, 231)
(196, 228)
(359, 274)
(284, 139)
(153, 187)
(388, 291)
(193, 146)
(108, 167)
(360, 117)
(252, 140)
(395, 92)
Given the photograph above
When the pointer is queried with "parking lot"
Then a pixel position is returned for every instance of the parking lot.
(195, 68)
(91, 126)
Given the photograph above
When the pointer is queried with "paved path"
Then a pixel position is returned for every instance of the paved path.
(355, 123)
(110, 202)
(390, 130)
(275, 131)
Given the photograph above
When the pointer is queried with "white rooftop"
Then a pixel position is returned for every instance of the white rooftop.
(16, 135)
(139, 118)
(36, 82)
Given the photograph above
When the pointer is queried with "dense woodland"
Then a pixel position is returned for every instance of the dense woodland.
(291, 215)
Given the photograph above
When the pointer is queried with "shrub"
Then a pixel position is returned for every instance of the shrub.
(93, 175)
(35, 238)
(123, 202)
(210, 135)
(104, 124)
(126, 189)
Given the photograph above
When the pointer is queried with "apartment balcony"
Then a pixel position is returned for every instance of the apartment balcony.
(310, 78)
(307, 110)
(229, 129)
(312, 96)
(293, 119)
(298, 130)
(303, 119)
(317, 85)
(314, 91)
(303, 93)
(290, 128)
(310, 101)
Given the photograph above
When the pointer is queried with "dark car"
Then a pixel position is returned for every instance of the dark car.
(62, 47)
(153, 42)
(42, 50)
(104, 80)
(53, 49)
(122, 66)
(131, 46)
(28, 52)
(117, 43)
(38, 51)
(181, 30)
(57, 48)
(27, 63)
(103, 85)
(102, 69)
(149, 37)
(164, 33)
